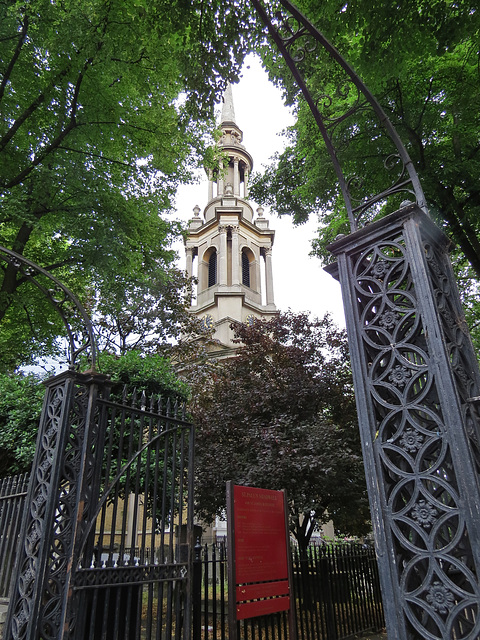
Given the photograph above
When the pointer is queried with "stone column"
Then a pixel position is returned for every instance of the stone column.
(189, 265)
(235, 257)
(210, 185)
(220, 180)
(132, 525)
(257, 284)
(268, 276)
(236, 177)
(222, 258)
(245, 187)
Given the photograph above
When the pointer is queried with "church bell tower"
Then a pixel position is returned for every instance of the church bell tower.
(233, 246)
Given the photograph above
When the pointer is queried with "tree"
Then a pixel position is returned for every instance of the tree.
(144, 315)
(152, 374)
(420, 59)
(20, 407)
(104, 108)
(281, 415)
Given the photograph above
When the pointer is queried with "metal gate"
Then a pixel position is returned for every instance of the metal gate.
(107, 539)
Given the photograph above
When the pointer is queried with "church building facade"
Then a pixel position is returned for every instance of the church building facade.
(231, 244)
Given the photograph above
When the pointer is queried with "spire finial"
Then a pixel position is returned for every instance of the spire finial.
(228, 112)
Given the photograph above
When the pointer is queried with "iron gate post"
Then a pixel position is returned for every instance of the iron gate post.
(197, 592)
(62, 477)
(416, 383)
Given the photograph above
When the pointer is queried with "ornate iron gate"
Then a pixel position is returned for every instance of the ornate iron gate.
(107, 539)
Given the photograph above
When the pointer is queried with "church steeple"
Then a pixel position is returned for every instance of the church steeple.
(230, 178)
(231, 246)
(228, 110)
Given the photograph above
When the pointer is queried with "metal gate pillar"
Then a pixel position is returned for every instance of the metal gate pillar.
(63, 477)
(417, 386)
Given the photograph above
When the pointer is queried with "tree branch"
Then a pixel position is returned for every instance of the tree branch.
(462, 231)
(424, 107)
(61, 136)
(39, 100)
(15, 56)
(96, 155)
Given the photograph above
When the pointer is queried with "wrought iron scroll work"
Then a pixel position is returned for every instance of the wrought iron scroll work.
(415, 376)
(65, 303)
(296, 38)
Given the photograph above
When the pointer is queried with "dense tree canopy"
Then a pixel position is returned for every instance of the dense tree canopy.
(103, 111)
(421, 60)
(145, 315)
(281, 415)
(20, 407)
(105, 106)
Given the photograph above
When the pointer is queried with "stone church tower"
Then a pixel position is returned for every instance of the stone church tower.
(232, 246)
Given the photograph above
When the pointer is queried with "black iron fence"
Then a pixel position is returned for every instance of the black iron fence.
(336, 595)
(12, 500)
(336, 587)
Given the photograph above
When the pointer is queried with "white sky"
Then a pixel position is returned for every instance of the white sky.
(299, 281)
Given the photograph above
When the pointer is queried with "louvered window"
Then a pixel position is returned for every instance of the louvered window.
(212, 269)
(245, 269)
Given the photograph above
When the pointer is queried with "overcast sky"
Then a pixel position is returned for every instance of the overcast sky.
(299, 281)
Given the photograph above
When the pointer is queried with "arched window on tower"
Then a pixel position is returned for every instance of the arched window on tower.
(212, 269)
(245, 269)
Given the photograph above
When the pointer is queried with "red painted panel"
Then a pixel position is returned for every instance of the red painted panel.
(262, 607)
(260, 535)
(262, 590)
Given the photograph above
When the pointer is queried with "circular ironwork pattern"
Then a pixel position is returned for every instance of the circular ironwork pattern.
(436, 571)
(77, 323)
(43, 487)
(457, 341)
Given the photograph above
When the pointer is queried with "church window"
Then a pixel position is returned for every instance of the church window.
(212, 269)
(245, 269)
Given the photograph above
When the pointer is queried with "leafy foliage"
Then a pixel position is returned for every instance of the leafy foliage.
(281, 415)
(152, 373)
(20, 408)
(420, 59)
(144, 315)
(104, 111)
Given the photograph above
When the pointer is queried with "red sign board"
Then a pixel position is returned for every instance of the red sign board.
(260, 551)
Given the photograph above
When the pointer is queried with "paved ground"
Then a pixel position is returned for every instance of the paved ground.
(372, 636)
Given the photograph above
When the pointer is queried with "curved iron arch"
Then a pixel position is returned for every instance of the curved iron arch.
(296, 38)
(65, 303)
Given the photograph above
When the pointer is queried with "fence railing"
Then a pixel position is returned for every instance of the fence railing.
(12, 501)
(335, 587)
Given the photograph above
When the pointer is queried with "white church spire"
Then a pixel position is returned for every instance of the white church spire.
(228, 110)
(230, 247)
